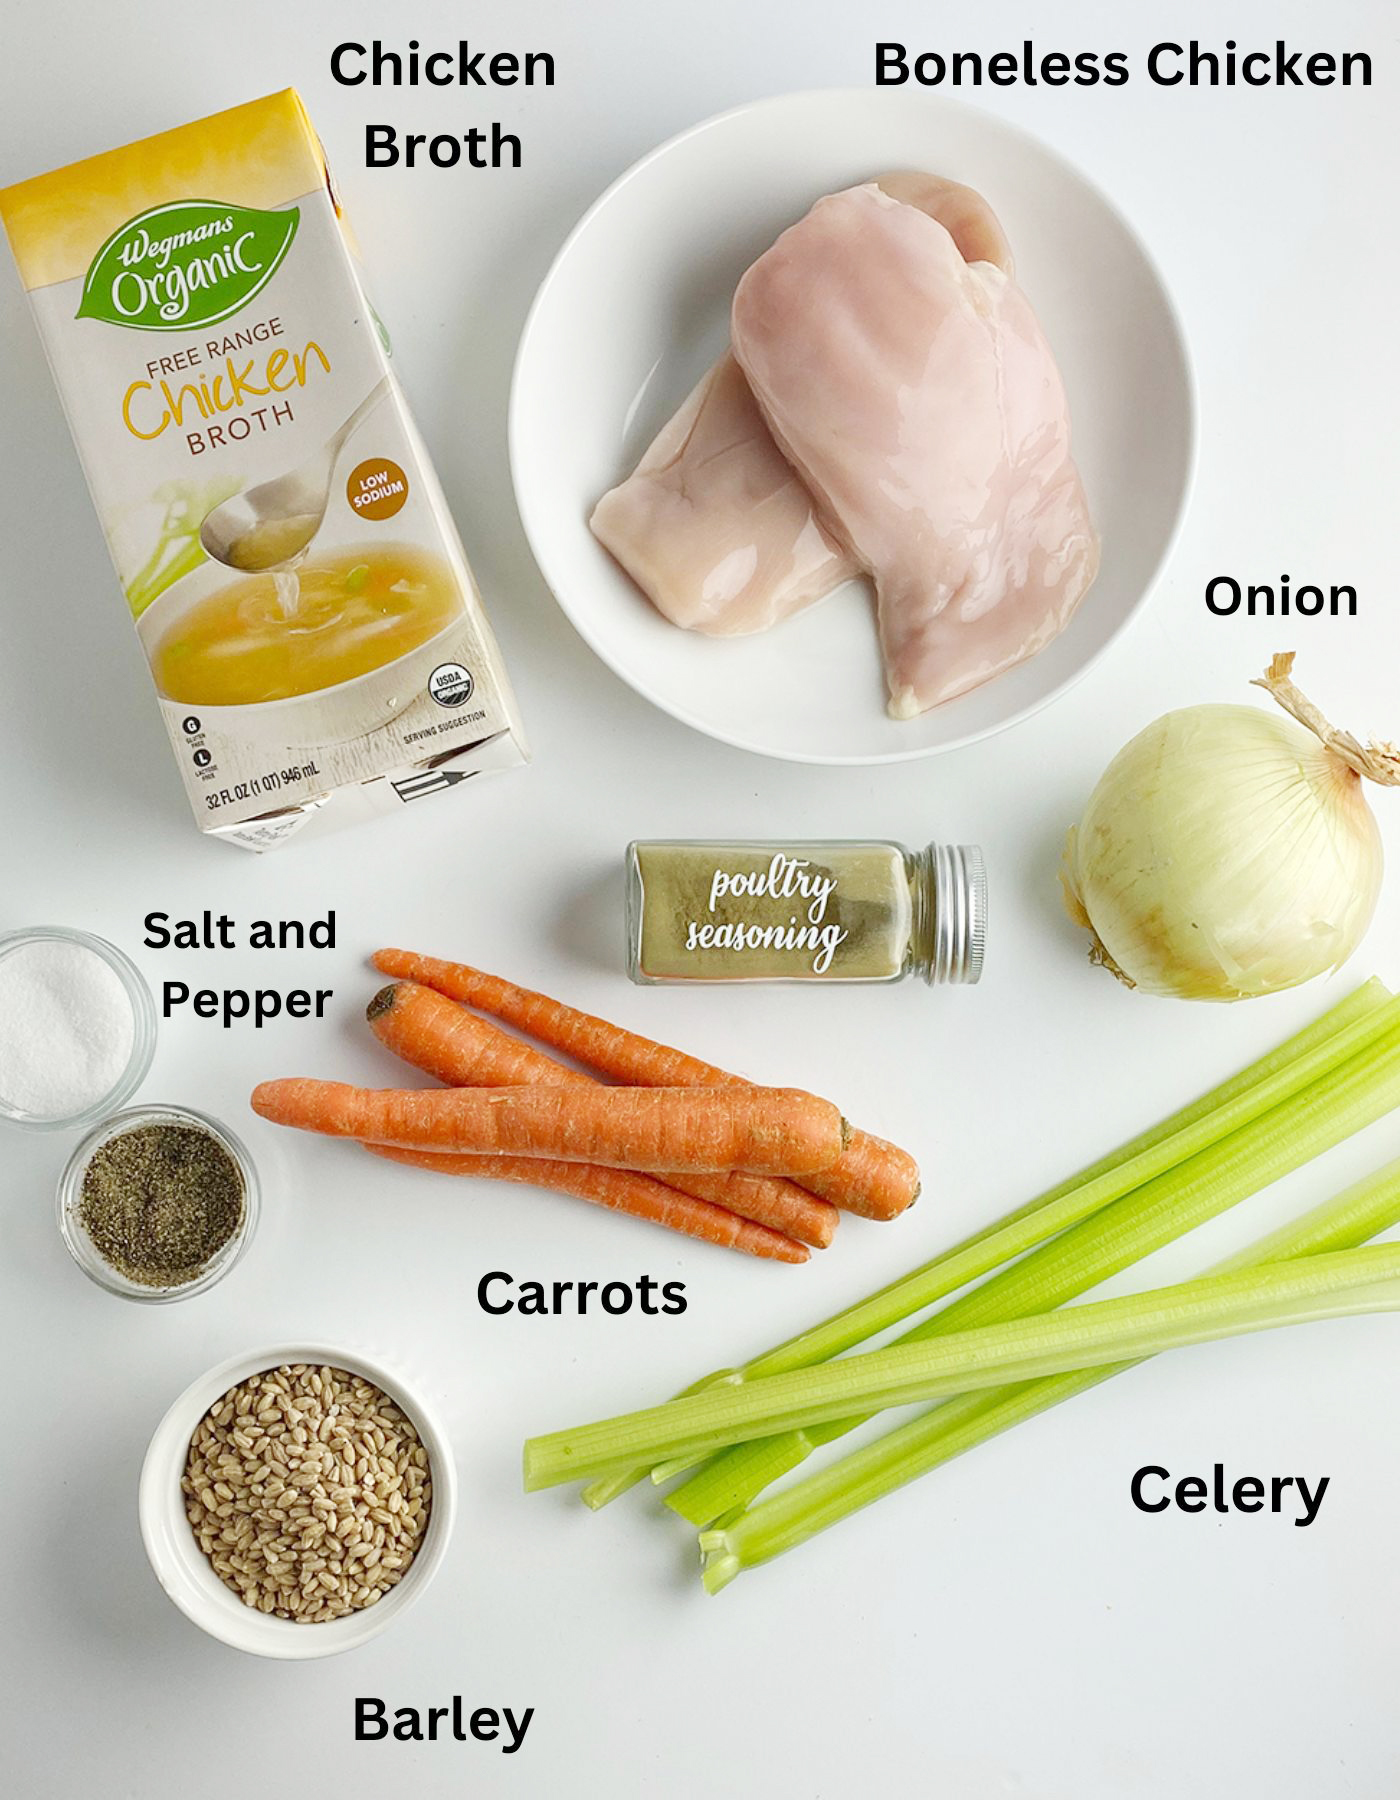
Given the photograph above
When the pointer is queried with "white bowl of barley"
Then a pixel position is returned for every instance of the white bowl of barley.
(187, 1573)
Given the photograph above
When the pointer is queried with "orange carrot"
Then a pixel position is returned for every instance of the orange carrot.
(461, 1049)
(457, 1047)
(760, 1131)
(873, 1178)
(621, 1189)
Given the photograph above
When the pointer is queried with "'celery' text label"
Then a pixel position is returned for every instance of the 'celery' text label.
(1153, 1491)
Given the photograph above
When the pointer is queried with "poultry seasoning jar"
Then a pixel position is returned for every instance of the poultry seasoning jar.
(820, 911)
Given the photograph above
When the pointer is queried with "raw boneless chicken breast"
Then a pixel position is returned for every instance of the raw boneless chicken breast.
(915, 395)
(714, 526)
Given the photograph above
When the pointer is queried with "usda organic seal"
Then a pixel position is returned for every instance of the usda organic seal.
(451, 684)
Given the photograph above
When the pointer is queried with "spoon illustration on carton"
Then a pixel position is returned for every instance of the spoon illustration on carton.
(271, 526)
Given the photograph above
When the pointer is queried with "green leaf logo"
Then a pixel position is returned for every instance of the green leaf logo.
(187, 264)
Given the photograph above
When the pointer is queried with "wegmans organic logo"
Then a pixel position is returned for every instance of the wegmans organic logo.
(192, 262)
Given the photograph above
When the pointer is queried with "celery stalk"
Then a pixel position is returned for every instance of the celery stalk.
(601, 1492)
(1331, 1285)
(810, 1506)
(177, 550)
(148, 587)
(1361, 1003)
(1317, 1045)
(1174, 1202)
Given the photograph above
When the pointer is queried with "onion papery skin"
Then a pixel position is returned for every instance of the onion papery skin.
(1226, 853)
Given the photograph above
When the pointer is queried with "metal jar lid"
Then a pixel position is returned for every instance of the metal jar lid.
(960, 913)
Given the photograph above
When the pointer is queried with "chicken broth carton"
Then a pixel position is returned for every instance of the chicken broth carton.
(317, 641)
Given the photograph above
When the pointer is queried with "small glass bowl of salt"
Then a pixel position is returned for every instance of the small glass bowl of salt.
(77, 1027)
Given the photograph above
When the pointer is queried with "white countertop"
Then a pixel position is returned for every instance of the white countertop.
(1011, 1626)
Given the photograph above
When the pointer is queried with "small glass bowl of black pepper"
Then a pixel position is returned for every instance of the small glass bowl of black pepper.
(158, 1203)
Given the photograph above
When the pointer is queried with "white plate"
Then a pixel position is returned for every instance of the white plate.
(636, 307)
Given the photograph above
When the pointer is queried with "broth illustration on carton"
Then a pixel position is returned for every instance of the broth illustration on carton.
(317, 641)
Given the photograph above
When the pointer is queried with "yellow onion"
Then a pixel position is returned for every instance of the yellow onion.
(1229, 851)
